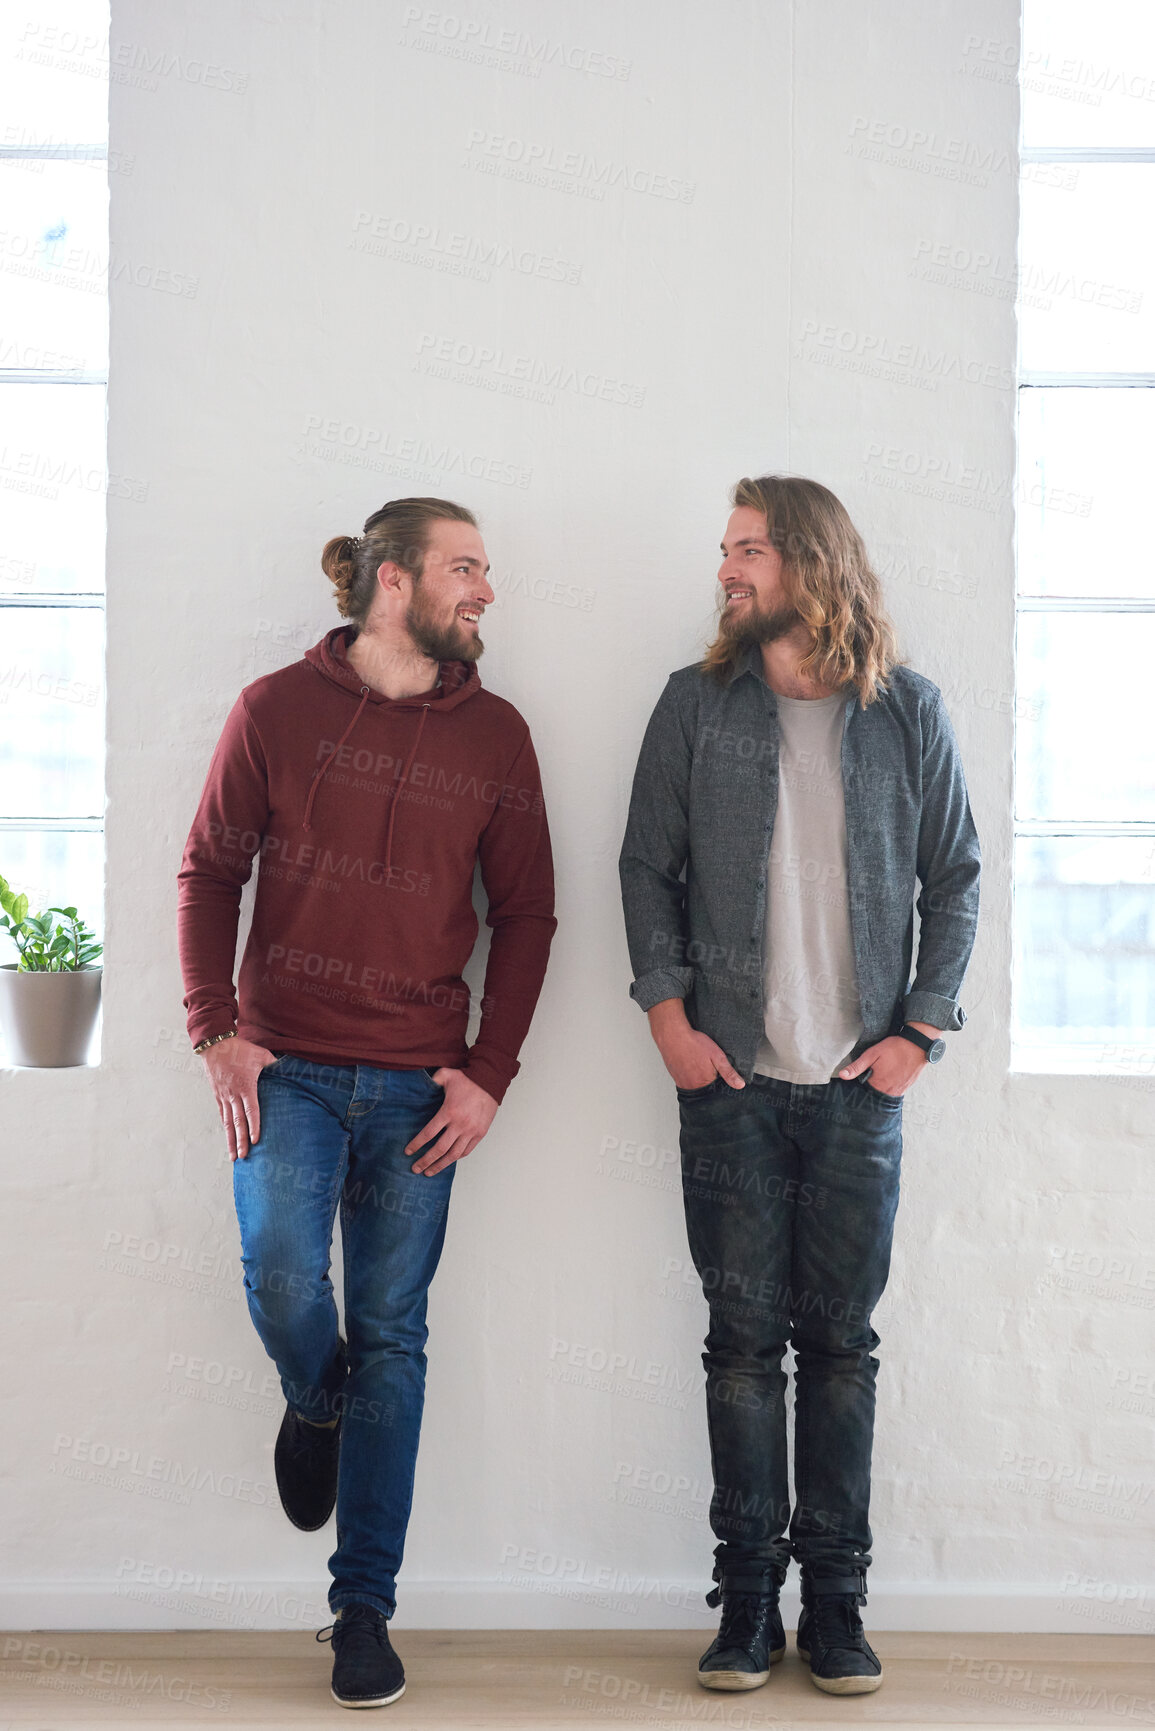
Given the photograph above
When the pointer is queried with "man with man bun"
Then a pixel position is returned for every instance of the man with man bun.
(369, 778)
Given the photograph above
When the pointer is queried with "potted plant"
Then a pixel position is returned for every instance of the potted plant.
(49, 998)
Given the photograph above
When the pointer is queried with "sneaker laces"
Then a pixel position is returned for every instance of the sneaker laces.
(836, 1620)
(357, 1616)
(743, 1618)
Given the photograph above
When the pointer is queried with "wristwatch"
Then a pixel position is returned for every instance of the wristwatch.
(935, 1049)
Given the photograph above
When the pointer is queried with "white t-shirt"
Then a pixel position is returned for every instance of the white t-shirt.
(813, 1012)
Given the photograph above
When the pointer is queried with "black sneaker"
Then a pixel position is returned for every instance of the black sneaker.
(305, 1461)
(832, 1641)
(749, 1641)
(366, 1670)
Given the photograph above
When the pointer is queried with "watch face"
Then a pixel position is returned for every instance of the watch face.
(936, 1051)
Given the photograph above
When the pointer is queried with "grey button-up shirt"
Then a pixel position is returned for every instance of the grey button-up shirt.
(693, 863)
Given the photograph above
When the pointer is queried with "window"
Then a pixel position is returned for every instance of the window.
(1084, 924)
(53, 485)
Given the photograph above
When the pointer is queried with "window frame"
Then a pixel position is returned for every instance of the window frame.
(79, 822)
(1036, 1057)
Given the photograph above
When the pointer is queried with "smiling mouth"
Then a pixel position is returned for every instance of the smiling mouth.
(733, 595)
(471, 615)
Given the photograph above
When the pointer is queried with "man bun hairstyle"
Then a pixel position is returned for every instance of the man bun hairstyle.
(397, 533)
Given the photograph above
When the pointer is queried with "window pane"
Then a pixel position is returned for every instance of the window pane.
(1085, 476)
(52, 712)
(1085, 950)
(53, 266)
(52, 487)
(1087, 271)
(1085, 743)
(54, 868)
(1088, 72)
(54, 73)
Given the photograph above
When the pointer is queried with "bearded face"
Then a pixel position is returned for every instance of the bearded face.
(442, 627)
(755, 602)
(747, 619)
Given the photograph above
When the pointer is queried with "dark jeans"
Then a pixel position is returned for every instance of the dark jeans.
(790, 1193)
(335, 1134)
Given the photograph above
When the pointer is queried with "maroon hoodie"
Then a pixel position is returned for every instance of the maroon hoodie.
(368, 815)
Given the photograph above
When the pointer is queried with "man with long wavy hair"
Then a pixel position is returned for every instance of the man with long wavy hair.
(796, 791)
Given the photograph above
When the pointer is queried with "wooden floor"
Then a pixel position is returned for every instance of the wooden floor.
(523, 1679)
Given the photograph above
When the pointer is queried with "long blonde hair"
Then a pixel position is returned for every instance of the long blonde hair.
(828, 580)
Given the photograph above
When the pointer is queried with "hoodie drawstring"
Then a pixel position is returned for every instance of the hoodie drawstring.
(400, 785)
(317, 778)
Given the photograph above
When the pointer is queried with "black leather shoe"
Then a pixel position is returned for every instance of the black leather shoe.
(366, 1670)
(749, 1641)
(832, 1641)
(305, 1461)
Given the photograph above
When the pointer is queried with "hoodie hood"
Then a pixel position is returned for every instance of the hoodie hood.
(459, 681)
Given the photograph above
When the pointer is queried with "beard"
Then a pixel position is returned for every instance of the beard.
(433, 637)
(755, 624)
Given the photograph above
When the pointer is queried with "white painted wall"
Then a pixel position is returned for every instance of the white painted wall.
(787, 312)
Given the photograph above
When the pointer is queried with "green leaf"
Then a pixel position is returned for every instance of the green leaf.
(46, 944)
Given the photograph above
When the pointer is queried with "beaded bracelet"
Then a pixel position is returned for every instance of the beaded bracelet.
(205, 1044)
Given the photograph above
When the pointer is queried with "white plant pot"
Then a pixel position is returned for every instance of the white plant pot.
(46, 1020)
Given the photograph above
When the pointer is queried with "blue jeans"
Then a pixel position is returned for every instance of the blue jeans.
(790, 1194)
(336, 1133)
